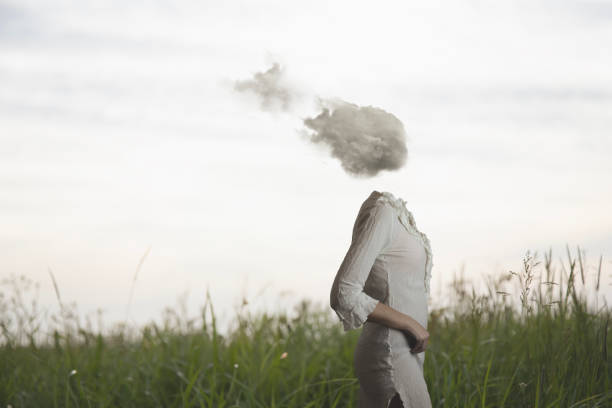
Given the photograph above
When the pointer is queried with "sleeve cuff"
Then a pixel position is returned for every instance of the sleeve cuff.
(359, 313)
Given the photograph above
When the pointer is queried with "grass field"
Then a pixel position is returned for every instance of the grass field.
(529, 340)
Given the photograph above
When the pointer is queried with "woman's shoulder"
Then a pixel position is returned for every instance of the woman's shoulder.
(378, 200)
(378, 206)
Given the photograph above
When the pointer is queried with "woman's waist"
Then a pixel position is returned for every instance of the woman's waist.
(415, 307)
(376, 336)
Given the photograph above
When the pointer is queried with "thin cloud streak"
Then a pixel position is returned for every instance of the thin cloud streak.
(270, 88)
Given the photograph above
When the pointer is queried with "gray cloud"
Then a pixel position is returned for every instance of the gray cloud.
(365, 139)
(269, 87)
(592, 11)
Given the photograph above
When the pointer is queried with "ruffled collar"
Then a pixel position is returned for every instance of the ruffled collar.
(407, 220)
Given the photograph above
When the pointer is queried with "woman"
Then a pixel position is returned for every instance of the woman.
(383, 284)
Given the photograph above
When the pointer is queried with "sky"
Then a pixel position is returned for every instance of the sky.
(124, 140)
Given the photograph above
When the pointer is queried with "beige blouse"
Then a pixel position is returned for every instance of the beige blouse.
(373, 231)
(389, 260)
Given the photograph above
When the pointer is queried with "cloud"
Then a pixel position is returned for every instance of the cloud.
(365, 139)
(269, 86)
(18, 24)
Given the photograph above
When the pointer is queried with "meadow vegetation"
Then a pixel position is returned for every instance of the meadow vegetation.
(533, 338)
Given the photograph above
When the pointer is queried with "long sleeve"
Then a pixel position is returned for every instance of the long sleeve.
(371, 233)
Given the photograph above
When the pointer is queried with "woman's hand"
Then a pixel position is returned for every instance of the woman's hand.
(419, 336)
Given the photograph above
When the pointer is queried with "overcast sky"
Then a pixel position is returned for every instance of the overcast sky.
(120, 130)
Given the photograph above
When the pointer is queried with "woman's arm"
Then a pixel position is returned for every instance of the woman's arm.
(395, 319)
(371, 233)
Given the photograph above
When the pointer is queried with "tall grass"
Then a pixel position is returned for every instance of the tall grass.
(530, 340)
